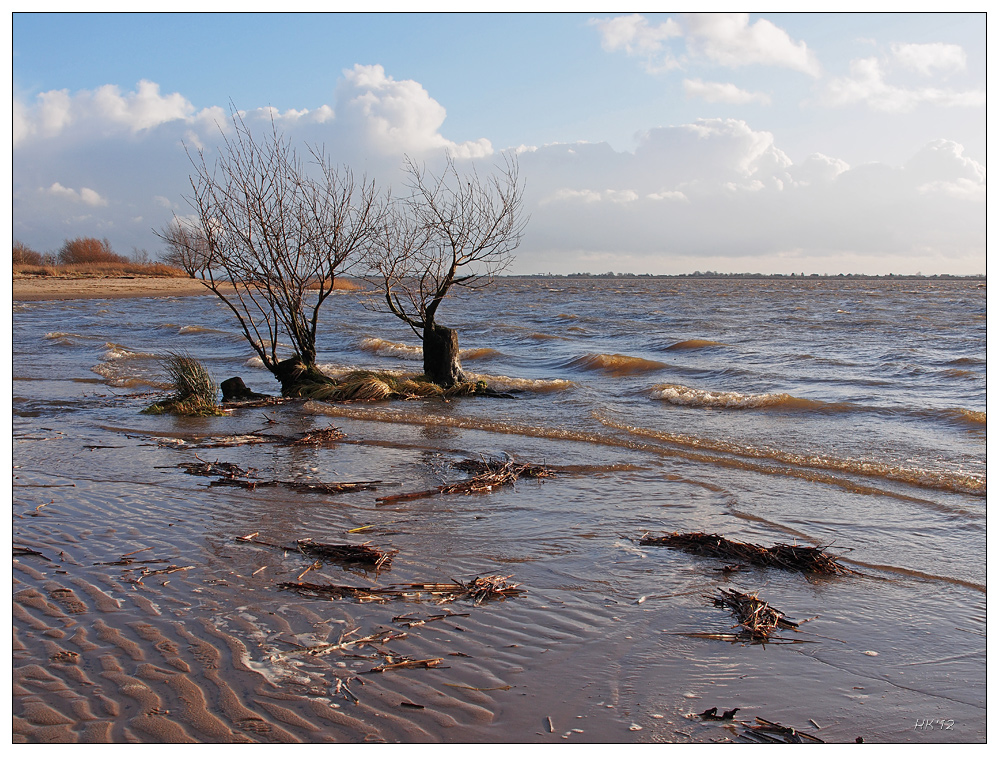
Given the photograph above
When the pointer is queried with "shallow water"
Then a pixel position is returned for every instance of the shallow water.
(850, 415)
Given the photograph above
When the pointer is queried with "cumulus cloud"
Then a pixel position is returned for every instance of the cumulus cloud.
(637, 37)
(717, 92)
(929, 58)
(85, 195)
(729, 39)
(396, 117)
(726, 39)
(867, 85)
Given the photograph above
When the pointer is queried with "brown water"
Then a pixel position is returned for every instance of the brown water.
(841, 414)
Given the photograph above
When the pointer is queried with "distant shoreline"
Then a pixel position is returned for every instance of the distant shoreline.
(755, 276)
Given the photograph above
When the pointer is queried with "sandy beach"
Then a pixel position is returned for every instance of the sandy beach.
(77, 288)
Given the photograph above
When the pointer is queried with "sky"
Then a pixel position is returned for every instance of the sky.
(656, 143)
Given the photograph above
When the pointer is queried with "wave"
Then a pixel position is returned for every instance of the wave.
(508, 383)
(202, 330)
(416, 352)
(616, 365)
(395, 349)
(540, 337)
(961, 482)
(709, 451)
(694, 344)
(971, 417)
(676, 394)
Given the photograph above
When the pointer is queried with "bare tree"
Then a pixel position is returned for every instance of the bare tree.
(450, 230)
(187, 248)
(277, 237)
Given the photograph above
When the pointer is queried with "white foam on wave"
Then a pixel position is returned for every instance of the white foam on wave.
(686, 396)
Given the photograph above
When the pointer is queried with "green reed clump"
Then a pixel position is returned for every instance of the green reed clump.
(195, 393)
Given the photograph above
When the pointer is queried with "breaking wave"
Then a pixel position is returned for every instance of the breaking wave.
(675, 394)
(395, 349)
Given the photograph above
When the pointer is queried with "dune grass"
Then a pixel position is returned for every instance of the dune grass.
(195, 393)
(99, 270)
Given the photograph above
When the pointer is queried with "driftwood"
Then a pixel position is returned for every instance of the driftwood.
(489, 474)
(784, 556)
(756, 617)
(479, 590)
(360, 554)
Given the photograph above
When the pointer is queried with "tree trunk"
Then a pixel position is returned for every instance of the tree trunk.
(441, 355)
(298, 378)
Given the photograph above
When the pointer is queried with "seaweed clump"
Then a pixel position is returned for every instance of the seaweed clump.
(195, 393)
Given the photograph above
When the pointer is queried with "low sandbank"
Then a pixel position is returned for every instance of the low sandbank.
(78, 288)
(113, 287)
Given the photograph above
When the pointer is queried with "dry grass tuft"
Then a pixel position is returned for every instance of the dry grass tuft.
(195, 393)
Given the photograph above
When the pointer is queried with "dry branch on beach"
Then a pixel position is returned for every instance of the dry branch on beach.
(479, 589)
(784, 556)
(490, 474)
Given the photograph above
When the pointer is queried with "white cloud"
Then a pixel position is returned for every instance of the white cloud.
(717, 92)
(726, 39)
(867, 85)
(928, 58)
(86, 195)
(729, 39)
(396, 117)
(817, 169)
(638, 37)
(719, 190)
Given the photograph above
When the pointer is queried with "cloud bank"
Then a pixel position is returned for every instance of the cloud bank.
(710, 194)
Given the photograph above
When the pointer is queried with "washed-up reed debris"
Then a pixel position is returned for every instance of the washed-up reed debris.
(357, 554)
(330, 488)
(479, 590)
(768, 732)
(377, 386)
(412, 622)
(343, 644)
(319, 436)
(217, 468)
(489, 475)
(784, 556)
(755, 616)
(24, 551)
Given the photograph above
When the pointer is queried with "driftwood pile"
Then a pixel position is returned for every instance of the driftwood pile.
(479, 589)
(489, 475)
(755, 616)
(783, 556)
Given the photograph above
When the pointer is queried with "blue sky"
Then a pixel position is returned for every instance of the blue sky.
(660, 143)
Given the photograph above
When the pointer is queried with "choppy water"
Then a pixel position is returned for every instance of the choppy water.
(849, 414)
